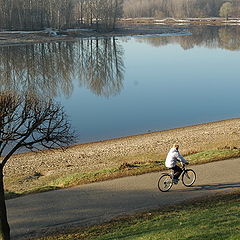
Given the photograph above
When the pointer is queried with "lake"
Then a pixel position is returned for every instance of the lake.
(122, 86)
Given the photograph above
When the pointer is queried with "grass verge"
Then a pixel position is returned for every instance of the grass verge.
(211, 218)
(129, 168)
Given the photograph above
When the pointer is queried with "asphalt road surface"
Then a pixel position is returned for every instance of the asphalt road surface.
(39, 214)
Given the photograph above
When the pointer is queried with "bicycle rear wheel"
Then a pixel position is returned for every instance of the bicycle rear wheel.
(165, 182)
(188, 177)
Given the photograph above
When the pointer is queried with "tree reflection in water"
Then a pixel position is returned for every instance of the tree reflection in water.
(49, 69)
(208, 36)
(100, 66)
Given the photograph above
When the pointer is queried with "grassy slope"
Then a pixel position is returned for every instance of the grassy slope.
(127, 170)
(211, 218)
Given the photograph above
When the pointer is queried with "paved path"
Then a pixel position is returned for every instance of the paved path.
(37, 214)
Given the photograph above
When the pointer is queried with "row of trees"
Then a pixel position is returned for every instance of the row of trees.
(103, 14)
(39, 14)
(179, 8)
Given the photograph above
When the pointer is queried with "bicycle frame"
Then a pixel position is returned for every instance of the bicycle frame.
(183, 171)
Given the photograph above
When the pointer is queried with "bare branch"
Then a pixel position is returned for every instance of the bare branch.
(27, 122)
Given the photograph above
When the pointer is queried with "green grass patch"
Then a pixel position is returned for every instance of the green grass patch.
(211, 218)
(87, 177)
(213, 155)
(134, 165)
(95, 176)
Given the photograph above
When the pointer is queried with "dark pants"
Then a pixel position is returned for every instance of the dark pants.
(177, 172)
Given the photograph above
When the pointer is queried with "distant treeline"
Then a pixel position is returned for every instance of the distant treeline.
(40, 14)
(103, 14)
(181, 8)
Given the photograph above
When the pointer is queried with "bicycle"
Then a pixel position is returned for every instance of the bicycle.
(165, 182)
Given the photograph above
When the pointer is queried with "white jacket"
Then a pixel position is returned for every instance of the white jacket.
(172, 158)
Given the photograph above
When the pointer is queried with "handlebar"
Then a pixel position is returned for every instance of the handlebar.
(184, 164)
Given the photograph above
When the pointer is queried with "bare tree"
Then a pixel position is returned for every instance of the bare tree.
(61, 14)
(226, 10)
(27, 123)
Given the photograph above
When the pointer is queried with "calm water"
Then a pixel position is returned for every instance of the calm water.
(124, 86)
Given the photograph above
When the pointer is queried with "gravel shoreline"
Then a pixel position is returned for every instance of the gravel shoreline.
(113, 153)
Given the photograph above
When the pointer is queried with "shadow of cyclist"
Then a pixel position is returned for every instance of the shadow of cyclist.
(215, 186)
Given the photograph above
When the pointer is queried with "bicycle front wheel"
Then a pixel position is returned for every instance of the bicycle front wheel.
(188, 177)
(165, 182)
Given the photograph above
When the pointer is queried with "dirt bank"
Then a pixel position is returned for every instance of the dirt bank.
(112, 153)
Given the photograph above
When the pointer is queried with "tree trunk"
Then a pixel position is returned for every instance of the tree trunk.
(4, 226)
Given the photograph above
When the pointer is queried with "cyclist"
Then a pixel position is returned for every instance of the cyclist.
(171, 162)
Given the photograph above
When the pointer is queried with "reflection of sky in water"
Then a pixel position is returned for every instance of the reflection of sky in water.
(164, 87)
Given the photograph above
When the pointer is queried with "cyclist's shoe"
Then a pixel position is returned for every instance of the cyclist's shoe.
(175, 181)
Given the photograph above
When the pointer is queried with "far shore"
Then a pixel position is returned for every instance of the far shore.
(125, 27)
(13, 38)
(50, 164)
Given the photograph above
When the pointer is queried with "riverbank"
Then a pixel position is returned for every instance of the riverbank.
(32, 170)
(12, 38)
(126, 27)
(212, 21)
